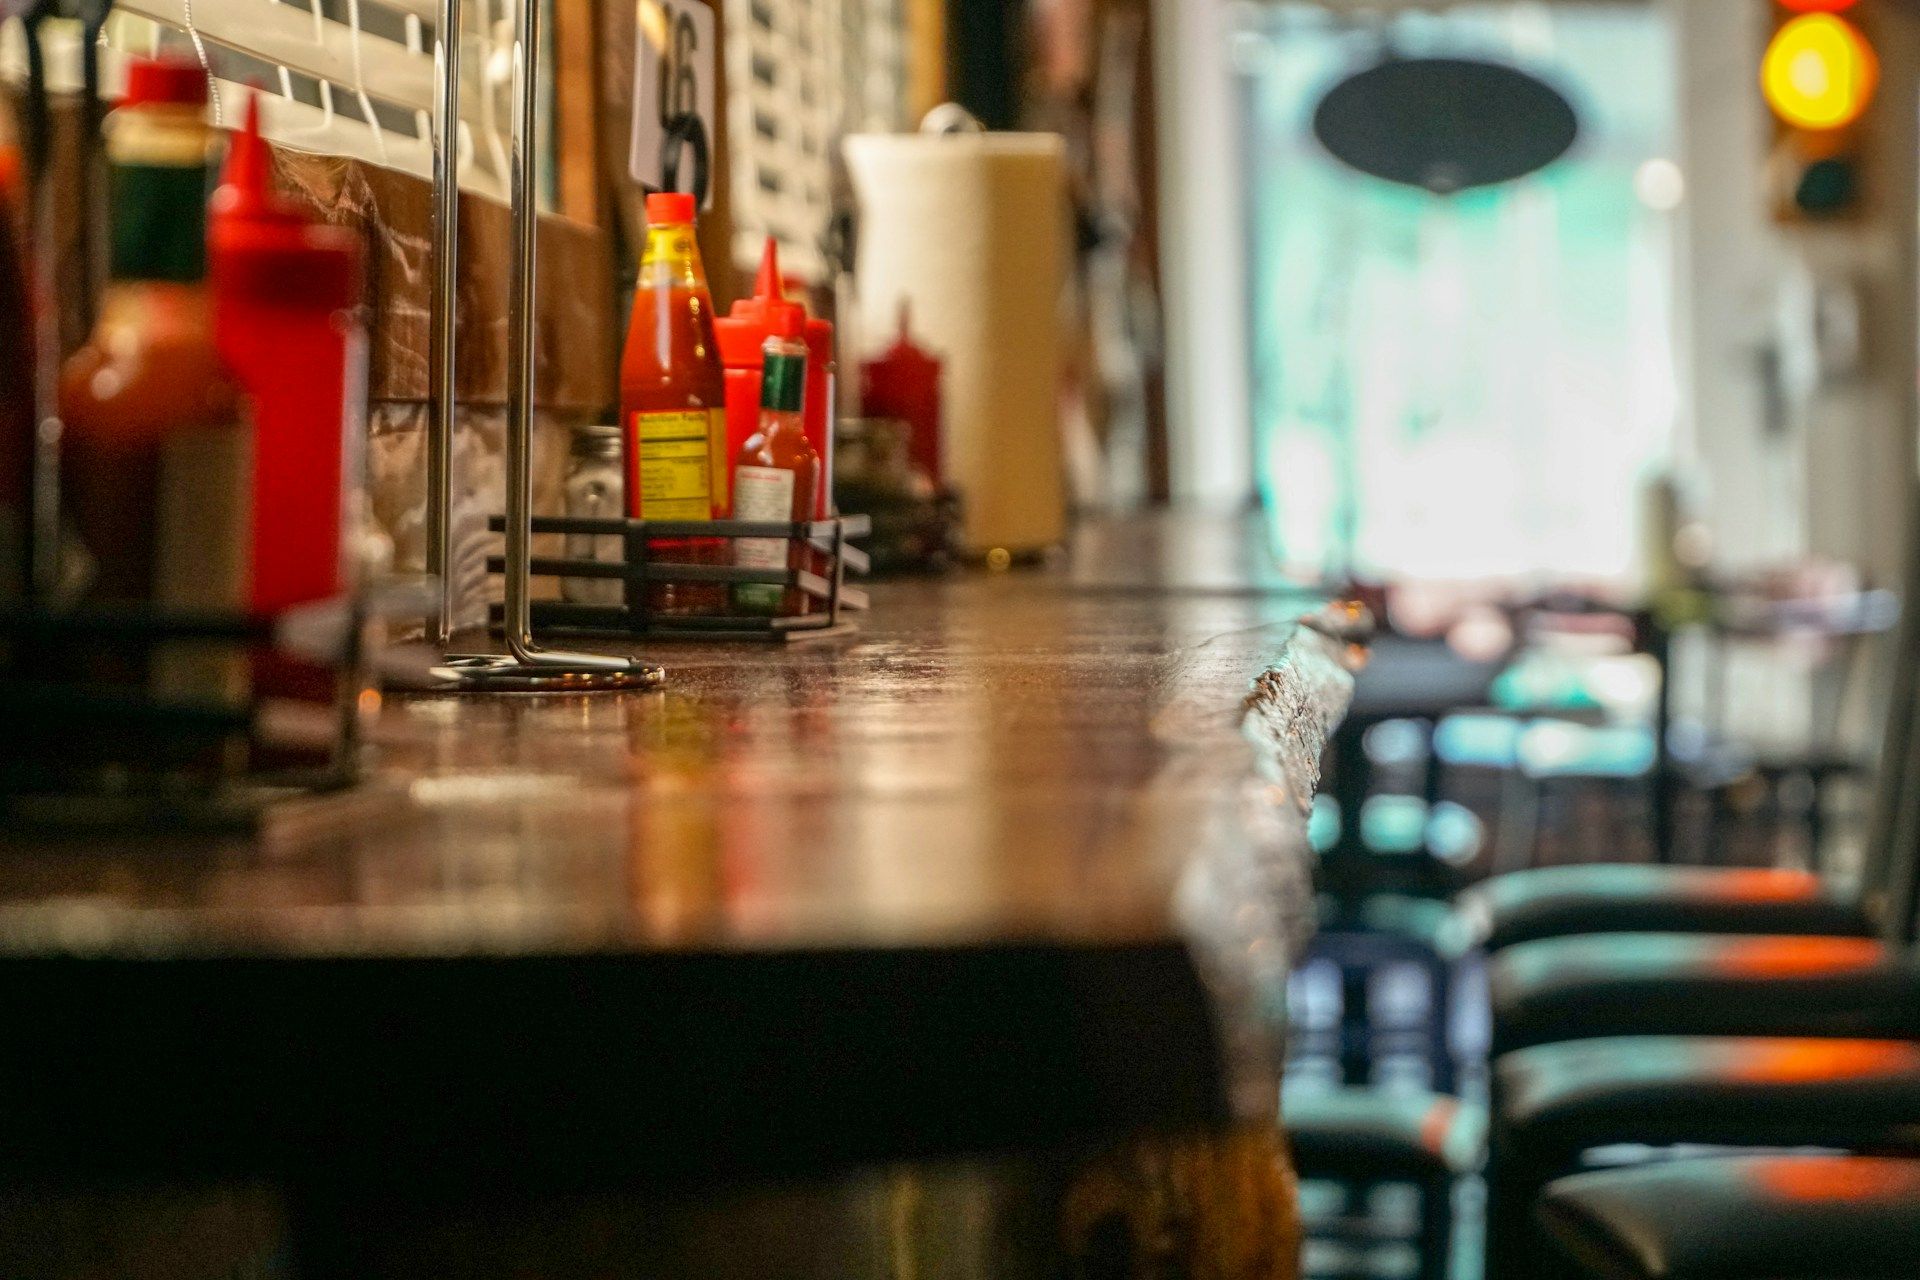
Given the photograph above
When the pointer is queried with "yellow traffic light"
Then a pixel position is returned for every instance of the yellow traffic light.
(1819, 72)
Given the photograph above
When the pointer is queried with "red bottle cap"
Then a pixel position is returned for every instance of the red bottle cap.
(743, 331)
(788, 322)
(766, 284)
(246, 183)
(174, 81)
(905, 354)
(670, 209)
(265, 249)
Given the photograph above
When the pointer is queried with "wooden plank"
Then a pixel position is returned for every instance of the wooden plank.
(926, 56)
(576, 109)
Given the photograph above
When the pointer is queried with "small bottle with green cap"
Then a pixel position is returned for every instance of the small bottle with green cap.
(777, 475)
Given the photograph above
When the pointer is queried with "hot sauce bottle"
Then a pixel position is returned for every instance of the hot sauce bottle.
(146, 401)
(742, 334)
(155, 456)
(673, 403)
(778, 476)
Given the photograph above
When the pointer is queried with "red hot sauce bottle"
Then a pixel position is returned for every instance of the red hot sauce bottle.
(673, 403)
(778, 475)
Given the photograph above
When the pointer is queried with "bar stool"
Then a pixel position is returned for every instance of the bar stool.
(1759, 1083)
(1591, 1059)
(1526, 906)
(1364, 1138)
(1740, 1218)
(1554, 1104)
(1552, 902)
(1612, 984)
(1646, 982)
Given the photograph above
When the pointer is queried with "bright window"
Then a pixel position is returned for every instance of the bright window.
(1474, 386)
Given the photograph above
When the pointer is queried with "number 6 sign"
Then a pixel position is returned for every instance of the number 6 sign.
(673, 77)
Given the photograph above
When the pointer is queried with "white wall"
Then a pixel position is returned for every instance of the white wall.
(1794, 464)
(1828, 478)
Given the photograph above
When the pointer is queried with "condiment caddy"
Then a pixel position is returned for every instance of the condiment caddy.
(727, 529)
(814, 596)
(193, 643)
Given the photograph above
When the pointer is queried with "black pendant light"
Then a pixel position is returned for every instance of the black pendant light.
(1445, 124)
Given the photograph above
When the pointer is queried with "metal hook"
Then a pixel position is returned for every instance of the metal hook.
(360, 83)
(685, 132)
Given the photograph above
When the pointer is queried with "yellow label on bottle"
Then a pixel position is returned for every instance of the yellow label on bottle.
(677, 463)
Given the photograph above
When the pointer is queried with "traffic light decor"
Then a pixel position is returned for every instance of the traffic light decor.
(1819, 75)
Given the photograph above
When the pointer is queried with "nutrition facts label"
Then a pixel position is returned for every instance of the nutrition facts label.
(675, 457)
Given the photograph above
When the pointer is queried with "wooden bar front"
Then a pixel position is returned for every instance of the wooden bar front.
(960, 947)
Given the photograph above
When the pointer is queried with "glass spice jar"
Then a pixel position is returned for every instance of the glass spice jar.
(597, 490)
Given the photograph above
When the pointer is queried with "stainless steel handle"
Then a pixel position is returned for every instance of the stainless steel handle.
(442, 393)
(530, 668)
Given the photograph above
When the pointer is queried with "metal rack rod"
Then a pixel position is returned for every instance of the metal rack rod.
(441, 390)
(527, 666)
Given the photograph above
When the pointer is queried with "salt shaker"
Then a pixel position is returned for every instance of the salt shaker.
(596, 489)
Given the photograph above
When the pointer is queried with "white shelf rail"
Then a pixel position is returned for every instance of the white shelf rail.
(346, 77)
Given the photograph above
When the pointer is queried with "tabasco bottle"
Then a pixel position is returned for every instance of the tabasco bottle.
(673, 403)
(778, 476)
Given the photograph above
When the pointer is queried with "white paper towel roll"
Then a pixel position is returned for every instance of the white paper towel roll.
(970, 230)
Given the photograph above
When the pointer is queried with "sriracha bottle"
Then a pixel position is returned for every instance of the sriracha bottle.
(156, 451)
(154, 455)
(778, 474)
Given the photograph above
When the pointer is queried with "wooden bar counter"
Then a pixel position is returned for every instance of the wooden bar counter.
(956, 948)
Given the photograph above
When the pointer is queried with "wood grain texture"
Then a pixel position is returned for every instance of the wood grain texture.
(576, 110)
(1023, 866)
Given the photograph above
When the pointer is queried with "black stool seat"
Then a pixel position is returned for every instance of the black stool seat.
(1556, 1100)
(1617, 984)
(1742, 1218)
(1552, 902)
(1370, 1135)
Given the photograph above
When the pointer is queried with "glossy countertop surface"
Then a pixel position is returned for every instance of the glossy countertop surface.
(1024, 861)
(1039, 754)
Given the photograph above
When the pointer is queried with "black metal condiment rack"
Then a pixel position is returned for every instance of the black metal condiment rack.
(827, 543)
(88, 743)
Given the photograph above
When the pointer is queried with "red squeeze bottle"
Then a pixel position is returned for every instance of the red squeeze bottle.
(742, 335)
(822, 396)
(903, 382)
(284, 292)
